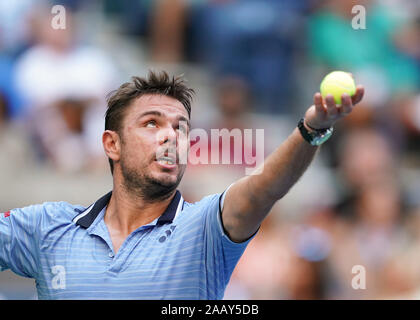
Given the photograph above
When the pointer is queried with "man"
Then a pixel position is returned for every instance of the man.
(142, 240)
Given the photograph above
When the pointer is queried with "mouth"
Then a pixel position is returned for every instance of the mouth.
(167, 162)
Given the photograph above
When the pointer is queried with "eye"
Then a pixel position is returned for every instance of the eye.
(183, 129)
(151, 124)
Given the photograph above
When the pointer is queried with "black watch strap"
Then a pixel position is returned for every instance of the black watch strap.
(315, 137)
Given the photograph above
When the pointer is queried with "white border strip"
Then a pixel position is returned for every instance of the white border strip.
(178, 209)
(77, 218)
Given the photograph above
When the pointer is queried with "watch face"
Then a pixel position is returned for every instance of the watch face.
(320, 139)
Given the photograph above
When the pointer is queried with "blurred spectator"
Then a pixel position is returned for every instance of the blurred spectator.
(286, 259)
(262, 270)
(402, 276)
(372, 212)
(234, 104)
(366, 158)
(167, 31)
(14, 143)
(370, 54)
(410, 117)
(377, 58)
(64, 85)
(373, 238)
(133, 16)
(235, 115)
(253, 39)
(305, 281)
(10, 97)
(4, 112)
(15, 31)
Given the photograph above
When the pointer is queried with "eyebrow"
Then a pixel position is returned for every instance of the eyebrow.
(159, 114)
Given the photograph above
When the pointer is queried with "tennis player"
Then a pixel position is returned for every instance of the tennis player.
(142, 240)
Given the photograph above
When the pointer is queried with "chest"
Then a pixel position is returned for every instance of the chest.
(84, 265)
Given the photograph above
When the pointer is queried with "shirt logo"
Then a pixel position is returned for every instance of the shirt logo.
(167, 234)
(6, 214)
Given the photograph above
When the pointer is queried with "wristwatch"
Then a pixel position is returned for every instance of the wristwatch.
(315, 137)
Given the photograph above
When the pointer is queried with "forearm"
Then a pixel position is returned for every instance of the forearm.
(281, 170)
(251, 198)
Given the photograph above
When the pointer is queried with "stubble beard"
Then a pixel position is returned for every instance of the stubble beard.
(141, 184)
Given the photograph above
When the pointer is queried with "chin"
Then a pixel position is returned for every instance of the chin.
(166, 179)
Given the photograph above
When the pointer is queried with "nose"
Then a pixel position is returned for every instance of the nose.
(167, 135)
(167, 141)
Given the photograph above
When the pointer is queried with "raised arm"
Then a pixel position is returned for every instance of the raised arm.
(250, 199)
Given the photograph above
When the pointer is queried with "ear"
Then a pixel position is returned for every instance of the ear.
(112, 144)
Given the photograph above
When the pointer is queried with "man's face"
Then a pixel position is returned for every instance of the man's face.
(154, 145)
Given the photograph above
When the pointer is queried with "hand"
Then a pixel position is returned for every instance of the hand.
(322, 116)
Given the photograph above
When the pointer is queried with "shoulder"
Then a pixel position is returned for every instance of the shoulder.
(199, 210)
(48, 212)
(34, 56)
(52, 207)
(206, 202)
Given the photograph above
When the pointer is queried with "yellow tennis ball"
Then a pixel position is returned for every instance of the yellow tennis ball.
(337, 83)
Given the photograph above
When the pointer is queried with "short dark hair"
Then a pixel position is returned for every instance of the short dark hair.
(156, 83)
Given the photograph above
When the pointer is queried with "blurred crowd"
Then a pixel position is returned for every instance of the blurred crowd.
(255, 64)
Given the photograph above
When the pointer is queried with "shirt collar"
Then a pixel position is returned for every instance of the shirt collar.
(86, 217)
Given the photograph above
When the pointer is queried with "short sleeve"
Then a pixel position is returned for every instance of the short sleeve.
(222, 253)
(19, 240)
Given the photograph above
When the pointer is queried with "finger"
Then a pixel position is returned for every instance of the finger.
(319, 106)
(357, 97)
(346, 104)
(331, 107)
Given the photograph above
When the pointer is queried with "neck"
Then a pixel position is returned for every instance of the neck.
(127, 211)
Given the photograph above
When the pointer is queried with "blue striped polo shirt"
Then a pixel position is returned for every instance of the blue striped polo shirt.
(67, 249)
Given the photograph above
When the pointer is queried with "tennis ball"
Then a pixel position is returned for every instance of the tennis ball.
(337, 83)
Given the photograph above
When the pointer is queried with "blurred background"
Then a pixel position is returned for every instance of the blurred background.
(255, 64)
